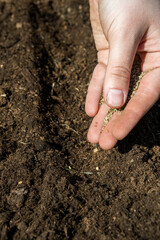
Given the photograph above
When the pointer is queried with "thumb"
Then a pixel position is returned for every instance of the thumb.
(121, 55)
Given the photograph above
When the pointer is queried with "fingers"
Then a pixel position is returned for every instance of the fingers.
(147, 94)
(95, 90)
(100, 40)
(123, 37)
(97, 124)
(107, 140)
(116, 83)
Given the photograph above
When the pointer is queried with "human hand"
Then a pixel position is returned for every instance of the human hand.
(121, 29)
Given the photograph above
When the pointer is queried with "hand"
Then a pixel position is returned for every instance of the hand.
(121, 29)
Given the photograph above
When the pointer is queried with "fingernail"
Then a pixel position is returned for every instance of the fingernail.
(115, 98)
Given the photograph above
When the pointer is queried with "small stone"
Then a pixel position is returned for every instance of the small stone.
(69, 10)
(95, 150)
(80, 8)
(18, 25)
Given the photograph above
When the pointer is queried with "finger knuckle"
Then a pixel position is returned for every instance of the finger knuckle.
(120, 72)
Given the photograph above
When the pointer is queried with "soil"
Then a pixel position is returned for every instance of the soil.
(53, 183)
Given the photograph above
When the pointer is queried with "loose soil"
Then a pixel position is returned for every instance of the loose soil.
(53, 183)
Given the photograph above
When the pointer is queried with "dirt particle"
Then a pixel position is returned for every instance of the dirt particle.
(22, 226)
(96, 124)
(40, 144)
(16, 196)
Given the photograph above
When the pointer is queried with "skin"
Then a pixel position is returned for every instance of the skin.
(121, 30)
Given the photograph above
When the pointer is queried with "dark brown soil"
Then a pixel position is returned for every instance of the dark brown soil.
(53, 183)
